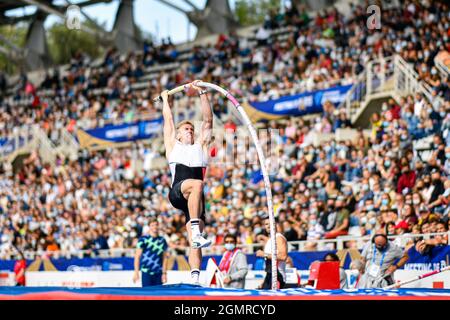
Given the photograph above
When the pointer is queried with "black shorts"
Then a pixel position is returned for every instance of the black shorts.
(177, 200)
(267, 284)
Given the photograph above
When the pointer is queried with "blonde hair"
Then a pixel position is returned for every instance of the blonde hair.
(181, 123)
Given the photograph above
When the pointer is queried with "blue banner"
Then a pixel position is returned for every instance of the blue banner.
(433, 260)
(120, 133)
(192, 292)
(8, 146)
(301, 104)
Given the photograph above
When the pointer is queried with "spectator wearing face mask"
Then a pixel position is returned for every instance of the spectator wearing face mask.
(406, 180)
(380, 258)
(315, 232)
(437, 187)
(446, 165)
(327, 217)
(342, 220)
(233, 264)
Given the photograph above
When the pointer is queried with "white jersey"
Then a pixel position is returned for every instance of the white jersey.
(281, 264)
(187, 161)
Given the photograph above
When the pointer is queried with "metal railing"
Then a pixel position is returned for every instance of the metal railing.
(16, 141)
(294, 246)
(45, 146)
(383, 77)
(406, 81)
(379, 72)
(355, 96)
(68, 144)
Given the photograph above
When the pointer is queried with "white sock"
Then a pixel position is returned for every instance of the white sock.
(195, 274)
(195, 227)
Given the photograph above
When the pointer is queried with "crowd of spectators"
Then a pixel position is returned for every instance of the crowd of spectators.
(312, 53)
(104, 199)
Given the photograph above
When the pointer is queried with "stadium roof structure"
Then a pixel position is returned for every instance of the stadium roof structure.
(7, 5)
(215, 17)
(35, 53)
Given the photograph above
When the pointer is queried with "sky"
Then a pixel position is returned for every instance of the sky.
(151, 16)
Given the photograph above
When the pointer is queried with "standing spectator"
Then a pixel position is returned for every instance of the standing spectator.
(379, 257)
(19, 270)
(150, 257)
(233, 264)
(282, 254)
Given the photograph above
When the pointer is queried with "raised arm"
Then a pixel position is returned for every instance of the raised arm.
(169, 126)
(207, 123)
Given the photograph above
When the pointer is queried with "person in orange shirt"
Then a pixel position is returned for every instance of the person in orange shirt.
(52, 246)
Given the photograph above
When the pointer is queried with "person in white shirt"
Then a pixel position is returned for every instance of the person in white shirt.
(282, 255)
(188, 161)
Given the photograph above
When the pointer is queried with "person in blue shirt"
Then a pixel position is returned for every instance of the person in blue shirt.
(150, 257)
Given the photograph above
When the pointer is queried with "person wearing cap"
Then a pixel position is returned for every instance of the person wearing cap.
(381, 258)
(150, 256)
(426, 216)
(400, 229)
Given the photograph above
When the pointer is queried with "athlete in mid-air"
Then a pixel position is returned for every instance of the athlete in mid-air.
(188, 161)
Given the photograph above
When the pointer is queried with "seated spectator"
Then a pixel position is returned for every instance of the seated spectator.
(233, 264)
(342, 220)
(342, 276)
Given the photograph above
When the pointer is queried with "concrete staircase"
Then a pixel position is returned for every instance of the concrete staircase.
(383, 78)
(33, 138)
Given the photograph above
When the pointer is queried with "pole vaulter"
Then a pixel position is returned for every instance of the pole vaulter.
(261, 157)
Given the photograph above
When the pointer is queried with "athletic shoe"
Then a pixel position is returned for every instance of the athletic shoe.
(200, 242)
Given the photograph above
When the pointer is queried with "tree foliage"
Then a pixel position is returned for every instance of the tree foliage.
(64, 43)
(251, 12)
(16, 35)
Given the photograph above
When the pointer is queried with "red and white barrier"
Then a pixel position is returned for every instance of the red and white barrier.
(7, 278)
(434, 279)
(86, 279)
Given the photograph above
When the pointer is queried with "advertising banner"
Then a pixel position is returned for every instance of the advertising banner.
(296, 105)
(113, 134)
